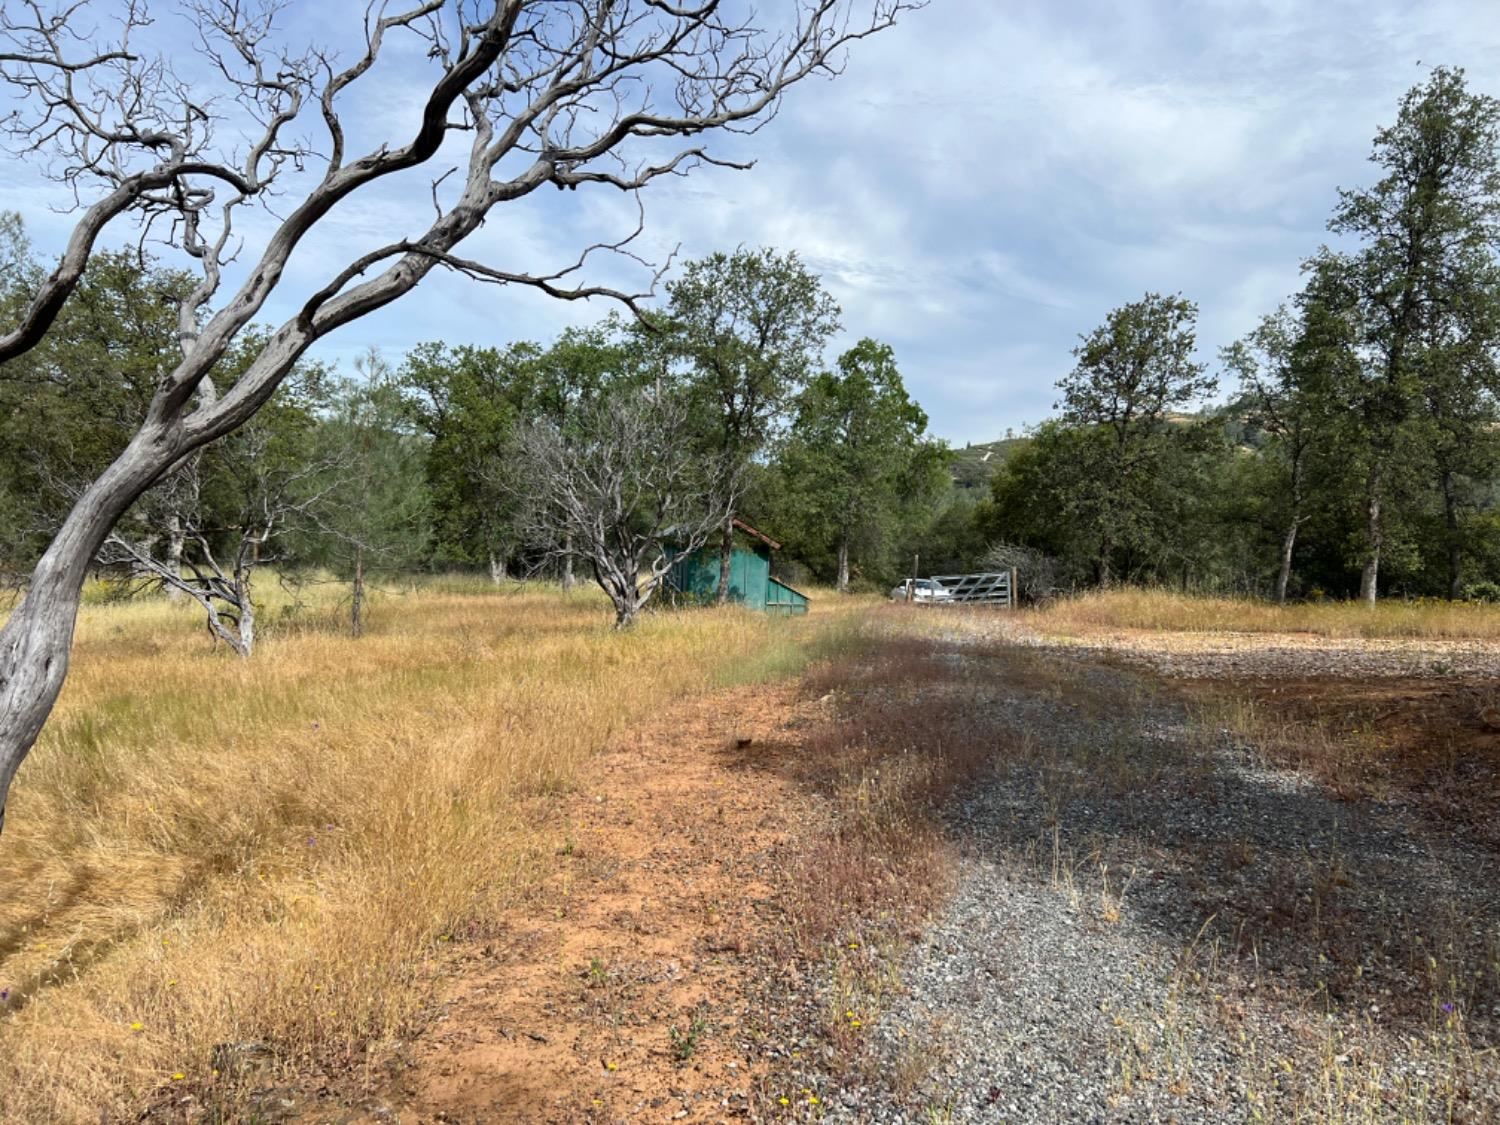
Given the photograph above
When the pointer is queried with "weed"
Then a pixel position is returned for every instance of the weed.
(685, 1040)
(598, 972)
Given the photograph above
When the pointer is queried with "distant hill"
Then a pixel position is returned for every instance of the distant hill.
(974, 464)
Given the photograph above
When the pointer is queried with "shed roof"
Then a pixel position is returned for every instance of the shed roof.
(761, 535)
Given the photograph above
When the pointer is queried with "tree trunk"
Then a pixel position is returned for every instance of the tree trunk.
(1369, 579)
(625, 592)
(1455, 543)
(497, 569)
(175, 543)
(1288, 545)
(35, 642)
(843, 582)
(34, 660)
(568, 580)
(726, 555)
(1106, 548)
(1289, 542)
(357, 597)
(247, 620)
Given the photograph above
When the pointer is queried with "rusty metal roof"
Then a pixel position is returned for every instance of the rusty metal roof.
(761, 535)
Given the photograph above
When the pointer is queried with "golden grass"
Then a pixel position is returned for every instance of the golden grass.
(1172, 612)
(203, 851)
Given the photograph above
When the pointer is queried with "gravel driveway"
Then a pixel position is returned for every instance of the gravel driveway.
(1153, 925)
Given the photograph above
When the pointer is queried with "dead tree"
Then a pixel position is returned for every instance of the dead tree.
(543, 92)
(215, 563)
(623, 491)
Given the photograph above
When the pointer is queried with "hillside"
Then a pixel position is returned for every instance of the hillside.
(973, 464)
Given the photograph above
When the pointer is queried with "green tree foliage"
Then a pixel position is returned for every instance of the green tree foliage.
(374, 516)
(1422, 287)
(69, 406)
(750, 328)
(1288, 397)
(858, 463)
(1132, 373)
(468, 401)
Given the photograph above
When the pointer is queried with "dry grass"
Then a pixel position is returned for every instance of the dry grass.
(1171, 612)
(1429, 744)
(910, 728)
(908, 734)
(204, 852)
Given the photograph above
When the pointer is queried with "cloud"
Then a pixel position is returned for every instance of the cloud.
(981, 185)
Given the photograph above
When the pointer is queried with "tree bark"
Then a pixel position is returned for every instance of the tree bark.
(1288, 546)
(625, 613)
(1289, 542)
(1106, 548)
(1369, 578)
(357, 597)
(843, 581)
(1455, 543)
(497, 568)
(247, 620)
(726, 556)
(568, 581)
(175, 543)
(36, 641)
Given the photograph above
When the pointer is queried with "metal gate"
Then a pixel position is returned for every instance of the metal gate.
(996, 588)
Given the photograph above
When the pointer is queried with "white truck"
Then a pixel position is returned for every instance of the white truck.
(926, 590)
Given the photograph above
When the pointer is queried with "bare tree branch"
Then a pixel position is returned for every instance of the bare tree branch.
(570, 93)
(623, 490)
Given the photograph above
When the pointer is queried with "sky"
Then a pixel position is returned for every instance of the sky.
(980, 186)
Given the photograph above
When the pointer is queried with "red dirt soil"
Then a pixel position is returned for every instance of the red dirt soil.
(659, 916)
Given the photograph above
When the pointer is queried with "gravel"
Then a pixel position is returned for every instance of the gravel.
(1268, 943)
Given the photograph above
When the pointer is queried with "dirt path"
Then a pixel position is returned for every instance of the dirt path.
(1153, 918)
(621, 990)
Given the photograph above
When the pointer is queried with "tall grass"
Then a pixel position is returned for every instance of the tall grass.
(1163, 610)
(203, 851)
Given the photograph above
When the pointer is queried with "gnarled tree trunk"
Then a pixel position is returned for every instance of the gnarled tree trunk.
(36, 641)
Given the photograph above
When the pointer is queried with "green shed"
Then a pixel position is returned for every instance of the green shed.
(695, 577)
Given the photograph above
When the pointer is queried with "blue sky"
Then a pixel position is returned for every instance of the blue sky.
(983, 184)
